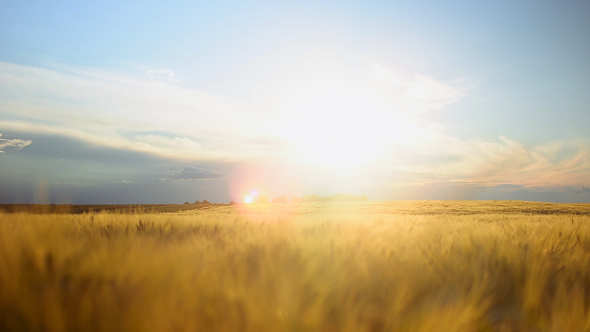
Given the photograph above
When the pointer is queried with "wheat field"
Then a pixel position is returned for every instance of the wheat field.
(362, 266)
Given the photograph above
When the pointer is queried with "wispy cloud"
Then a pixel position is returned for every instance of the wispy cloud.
(166, 75)
(17, 143)
(107, 109)
(415, 92)
(505, 161)
(544, 165)
(152, 113)
(192, 173)
(74, 184)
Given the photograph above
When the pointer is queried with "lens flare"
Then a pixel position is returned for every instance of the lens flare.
(264, 181)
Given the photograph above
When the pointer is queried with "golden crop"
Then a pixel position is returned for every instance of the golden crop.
(362, 266)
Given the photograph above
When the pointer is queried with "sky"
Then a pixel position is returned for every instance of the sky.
(103, 102)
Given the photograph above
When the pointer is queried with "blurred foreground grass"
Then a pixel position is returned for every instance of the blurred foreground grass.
(395, 266)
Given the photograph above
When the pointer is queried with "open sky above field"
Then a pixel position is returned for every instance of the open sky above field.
(166, 102)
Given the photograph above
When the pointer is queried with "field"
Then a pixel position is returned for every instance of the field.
(362, 266)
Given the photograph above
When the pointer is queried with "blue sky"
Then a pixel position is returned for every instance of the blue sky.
(166, 102)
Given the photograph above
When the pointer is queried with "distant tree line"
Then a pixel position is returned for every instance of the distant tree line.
(199, 202)
(342, 197)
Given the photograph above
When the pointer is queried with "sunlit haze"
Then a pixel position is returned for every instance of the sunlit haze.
(158, 102)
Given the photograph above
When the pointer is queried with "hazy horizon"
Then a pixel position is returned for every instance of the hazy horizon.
(148, 102)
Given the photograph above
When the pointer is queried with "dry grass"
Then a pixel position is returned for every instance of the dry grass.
(411, 266)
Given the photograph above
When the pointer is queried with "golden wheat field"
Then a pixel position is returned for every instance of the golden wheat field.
(363, 266)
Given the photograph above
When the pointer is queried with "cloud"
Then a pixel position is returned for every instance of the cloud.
(76, 184)
(385, 113)
(431, 93)
(162, 141)
(129, 112)
(166, 75)
(417, 93)
(18, 143)
(192, 173)
(502, 162)
(556, 163)
(108, 109)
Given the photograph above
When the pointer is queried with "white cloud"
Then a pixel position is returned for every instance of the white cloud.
(166, 75)
(414, 92)
(74, 184)
(331, 114)
(181, 143)
(108, 109)
(192, 173)
(504, 162)
(17, 143)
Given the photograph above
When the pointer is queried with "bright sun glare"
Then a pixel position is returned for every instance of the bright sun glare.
(248, 199)
(330, 123)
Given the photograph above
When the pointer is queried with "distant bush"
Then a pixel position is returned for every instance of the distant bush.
(262, 199)
(312, 198)
(280, 200)
(206, 202)
(233, 203)
(186, 203)
(197, 202)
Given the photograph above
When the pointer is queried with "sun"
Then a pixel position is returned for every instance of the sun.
(333, 124)
(248, 199)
